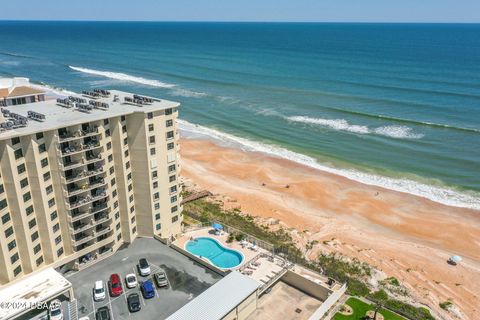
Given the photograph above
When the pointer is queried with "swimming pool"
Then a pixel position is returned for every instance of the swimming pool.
(215, 252)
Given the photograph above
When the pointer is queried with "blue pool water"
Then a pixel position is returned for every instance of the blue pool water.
(217, 254)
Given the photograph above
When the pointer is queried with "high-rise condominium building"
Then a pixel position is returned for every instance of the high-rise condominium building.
(80, 176)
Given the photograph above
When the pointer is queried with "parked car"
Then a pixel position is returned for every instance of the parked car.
(103, 313)
(148, 291)
(133, 301)
(161, 279)
(144, 267)
(99, 291)
(55, 310)
(131, 280)
(115, 285)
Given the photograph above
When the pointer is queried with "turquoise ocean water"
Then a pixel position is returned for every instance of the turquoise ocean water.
(394, 105)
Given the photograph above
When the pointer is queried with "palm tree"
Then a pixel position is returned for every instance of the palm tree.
(378, 306)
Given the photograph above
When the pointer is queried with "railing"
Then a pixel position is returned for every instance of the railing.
(84, 174)
(84, 227)
(86, 200)
(102, 220)
(80, 163)
(78, 134)
(103, 231)
(84, 239)
(86, 187)
(68, 151)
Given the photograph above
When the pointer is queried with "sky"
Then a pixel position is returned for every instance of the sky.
(245, 10)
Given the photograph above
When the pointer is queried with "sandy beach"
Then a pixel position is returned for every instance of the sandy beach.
(402, 235)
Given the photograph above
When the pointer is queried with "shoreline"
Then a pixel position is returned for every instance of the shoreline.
(440, 194)
(403, 235)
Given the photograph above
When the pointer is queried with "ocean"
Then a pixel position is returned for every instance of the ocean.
(392, 105)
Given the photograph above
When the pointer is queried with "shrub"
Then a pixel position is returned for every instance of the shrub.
(445, 305)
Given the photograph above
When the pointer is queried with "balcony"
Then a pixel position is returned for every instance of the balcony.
(71, 150)
(86, 200)
(86, 187)
(101, 220)
(99, 208)
(70, 136)
(84, 174)
(83, 239)
(102, 231)
(83, 162)
(83, 227)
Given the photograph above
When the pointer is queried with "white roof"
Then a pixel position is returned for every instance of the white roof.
(33, 289)
(218, 300)
(59, 117)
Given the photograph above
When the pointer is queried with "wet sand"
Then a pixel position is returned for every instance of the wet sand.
(403, 235)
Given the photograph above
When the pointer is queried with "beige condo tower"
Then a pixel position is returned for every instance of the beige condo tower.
(81, 176)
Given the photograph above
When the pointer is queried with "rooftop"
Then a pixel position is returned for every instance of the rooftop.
(32, 289)
(218, 300)
(22, 91)
(57, 116)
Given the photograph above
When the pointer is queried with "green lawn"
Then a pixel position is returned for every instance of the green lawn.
(360, 309)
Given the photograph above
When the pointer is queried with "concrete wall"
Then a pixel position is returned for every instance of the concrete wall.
(306, 285)
(201, 261)
(328, 304)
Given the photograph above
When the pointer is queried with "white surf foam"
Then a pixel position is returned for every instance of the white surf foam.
(124, 77)
(441, 195)
(397, 132)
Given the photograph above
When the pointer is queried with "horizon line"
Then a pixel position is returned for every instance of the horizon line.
(241, 21)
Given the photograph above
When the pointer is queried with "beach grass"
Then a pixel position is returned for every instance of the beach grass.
(360, 309)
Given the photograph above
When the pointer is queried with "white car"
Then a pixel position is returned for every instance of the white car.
(99, 292)
(131, 280)
(55, 310)
(144, 267)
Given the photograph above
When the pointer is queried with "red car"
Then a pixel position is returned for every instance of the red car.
(115, 285)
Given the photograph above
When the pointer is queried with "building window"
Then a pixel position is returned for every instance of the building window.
(152, 151)
(2, 189)
(23, 183)
(112, 170)
(117, 227)
(56, 227)
(169, 123)
(21, 168)
(49, 189)
(174, 209)
(130, 187)
(51, 202)
(3, 204)
(14, 258)
(157, 206)
(12, 245)
(150, 115)
(127, 165)
(130, 198)
(170, 135)
(155, 185)
(129, 176)
(173, 189)
(58, 239)
(134, 229)
(32, 223)
(115, 205)
(29, 210)
(37, 248)
(39, 261)
(15, 140)
(170, 145)
(110, 158)
(114, 193)
(154, 174)
(105, 122)
(34, 236)
(44, 162)
(156, 196)
(132, 209)
(112, 182)
(46, 176)
(151, 139)
(172, 178)
(117, 215)
(125, 141)
(173, 199)
(157, 216)
(109, 145)
(17, 271)
(42, 148)
(168, 111)
(171, 168)
(18, 153)
(124, 129)
(107, 133)
(132, 220)
(27, 196)
(119, 237)
(5, 217)
(8, 232)
(150, 127)
(158, 226)
(59, 252)
(53, 215)
(174, 219)
(39, 135)
(126, 153)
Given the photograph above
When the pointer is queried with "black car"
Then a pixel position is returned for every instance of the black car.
(103, 313)
(133, 301)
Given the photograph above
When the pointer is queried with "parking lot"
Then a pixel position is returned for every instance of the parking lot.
(187, 280)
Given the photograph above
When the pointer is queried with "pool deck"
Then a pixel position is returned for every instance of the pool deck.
(248, 254)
